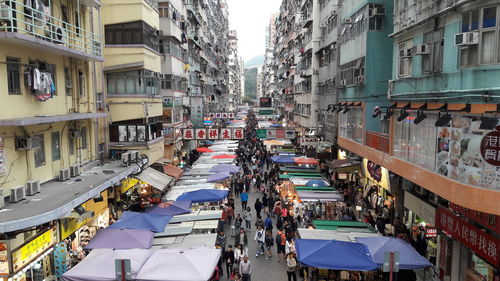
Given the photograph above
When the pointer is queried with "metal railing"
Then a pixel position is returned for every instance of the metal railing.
(378, 141)
(26, 20)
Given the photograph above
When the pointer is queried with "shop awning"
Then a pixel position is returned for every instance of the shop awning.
(320, 196)
(172, 171)
(345, 226)
(157, 179)
(175, 229)
(322, 234)
(198, 216)
(344, 165)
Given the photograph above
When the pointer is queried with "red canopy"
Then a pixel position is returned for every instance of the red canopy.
(204, 149)
(302, 160)
(224, 156)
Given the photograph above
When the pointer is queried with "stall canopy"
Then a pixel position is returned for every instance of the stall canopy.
(316, 183)
(344, 165)
(233, 169)
(223, 156)
(135, 220)
(99, 265)
(204, 149)
(321, 234)
(282, 159)
(204, 195)
(336, 255)
(157, 179)
(172, 171)
(218, 177)
(303, 160)
(112, 238)
(322, 196)
(409, 258)
(176, 264)
(344, 226)
(171, 209)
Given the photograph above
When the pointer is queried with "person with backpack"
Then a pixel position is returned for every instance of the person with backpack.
(269, 241)
(268, 223)
(260, 238)
(279, 223)
(280, 244)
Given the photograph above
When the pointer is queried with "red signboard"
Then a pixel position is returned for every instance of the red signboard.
(188, 134)
(213, 134)
(474, 238)
(490, 147)
(201, 134)
(225, 134)
(238, 134)
(491, 222)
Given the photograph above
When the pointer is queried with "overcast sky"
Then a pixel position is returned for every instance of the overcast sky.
(250, 18)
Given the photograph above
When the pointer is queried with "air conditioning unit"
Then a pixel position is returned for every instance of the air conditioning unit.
(17, 194)
(5, 11)
(423, 49)
(27, 143)
(378, 12)
(64, 174)
(2, 199)
(126, 159)
(33, 187)
(58, 34)
(359, 79)
(74, 171)
(405, 53)
(343, 82)
(347, 21)
(467, 38)
(75, 133)
(134, 154)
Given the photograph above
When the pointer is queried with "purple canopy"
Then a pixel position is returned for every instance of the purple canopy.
(112, 238)
(229, 168)
(176, 208)
(218, 177)
(135, 220)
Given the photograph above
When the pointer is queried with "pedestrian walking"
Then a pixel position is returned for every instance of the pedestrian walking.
(238, 253)
(291, 266)
(244, 199)
(245, 269)
(260, 237)
(259, 222)
(235, 228)
(221, 241)
(268, 223)
(258, 207)
(229, 260)
(269, 241)
(289, 246)
(247, 216)
(280, 244)
(241, 238)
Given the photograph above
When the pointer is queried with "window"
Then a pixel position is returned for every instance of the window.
(14, 76)
(376, 23)
(77, 23)
(351, 124)
(433, 62)
(81, 84)
(39, 153)
(351, 70)
(131, 33)
(483, 21)
(67, 82)
(56, 146)
(71, 144)
(100, 101)
(84, 138)
(404, 55)
(101, 151)
(136, 82)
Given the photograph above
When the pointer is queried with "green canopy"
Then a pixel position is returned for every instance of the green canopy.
(313, 188)
(348, 226)
(298, 169)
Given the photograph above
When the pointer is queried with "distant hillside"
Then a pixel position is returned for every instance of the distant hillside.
(255, 61)
(251, 82)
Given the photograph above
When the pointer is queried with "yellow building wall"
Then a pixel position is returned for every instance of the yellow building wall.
(25, 104)
(117, 11)
(129, 108)
(132, 55)
(20, 164)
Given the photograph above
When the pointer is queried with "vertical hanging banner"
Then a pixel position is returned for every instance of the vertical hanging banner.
(201, 134)
(213, 134)
(197, 111)
(225, 134)
(238, 133)
(271, 134)
(188, 134)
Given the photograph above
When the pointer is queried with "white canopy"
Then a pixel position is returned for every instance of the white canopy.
(322, 234)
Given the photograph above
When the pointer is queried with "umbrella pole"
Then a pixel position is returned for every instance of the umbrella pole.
(391, 265)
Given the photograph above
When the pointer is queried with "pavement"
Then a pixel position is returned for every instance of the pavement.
(262, 269)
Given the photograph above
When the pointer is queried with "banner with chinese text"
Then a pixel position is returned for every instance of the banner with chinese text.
(213, 134)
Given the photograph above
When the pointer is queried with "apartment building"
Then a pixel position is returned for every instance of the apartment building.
(234, 79)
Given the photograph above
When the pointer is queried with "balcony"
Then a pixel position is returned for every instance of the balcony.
(378, 141)
(23, 25)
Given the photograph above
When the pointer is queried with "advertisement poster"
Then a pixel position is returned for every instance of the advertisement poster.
(376, 173)
(459, 153)
(4, 261)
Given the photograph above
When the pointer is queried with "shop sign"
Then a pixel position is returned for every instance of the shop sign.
(419, 207)
(221, 115)
(266, 112)
(474, 238)
(2, 157)
(200, 134)
(308, 141)
(289, 134)
(280, 134)
(489, 221)
(271, 134)
(213, 134)
(224, 115)
(376, 173)
(261, 133)
(188, 134)
(230, 115)
(31, 250)
(238, 134)
(225, 134)
(490, 147)
(4, 259)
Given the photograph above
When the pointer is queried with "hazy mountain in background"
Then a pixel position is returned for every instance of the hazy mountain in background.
(255, 61)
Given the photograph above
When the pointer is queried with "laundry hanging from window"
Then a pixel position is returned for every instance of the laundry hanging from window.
(40, 83)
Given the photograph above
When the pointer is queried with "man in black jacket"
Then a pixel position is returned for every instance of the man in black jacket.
(229, 260)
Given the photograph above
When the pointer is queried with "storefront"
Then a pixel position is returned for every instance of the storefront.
(32, 260)
(377, 186)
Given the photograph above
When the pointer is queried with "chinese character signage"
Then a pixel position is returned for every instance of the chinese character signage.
(225, 134)
(238, 134)
(261, 133)
(308, 141)
(490, 148)
(213, 134)
(188, 134)
(230, 115)
(221, 115)
(224, 115)
(200, 134)
(24, 255)
(271, 134)
(489, 221)
(480, 242)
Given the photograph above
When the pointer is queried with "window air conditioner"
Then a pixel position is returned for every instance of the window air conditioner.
(64, 174)
(347, 21)
(74, 171)
(27, 143)
(17, 193)
(5, 11)
(359, 79)
(32, 187)
(423, 49)
(58, 34)
(343, 82)
(134, 154)
(126, 159)
(467, 38)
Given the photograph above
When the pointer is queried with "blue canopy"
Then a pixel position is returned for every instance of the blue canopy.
(336, 255)
(277, 125)
(135, 220)
(229, 168)
(218, 177)
(316, 183)
(204, 195)
(282, 159)
(175, 208)
(409, 258)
